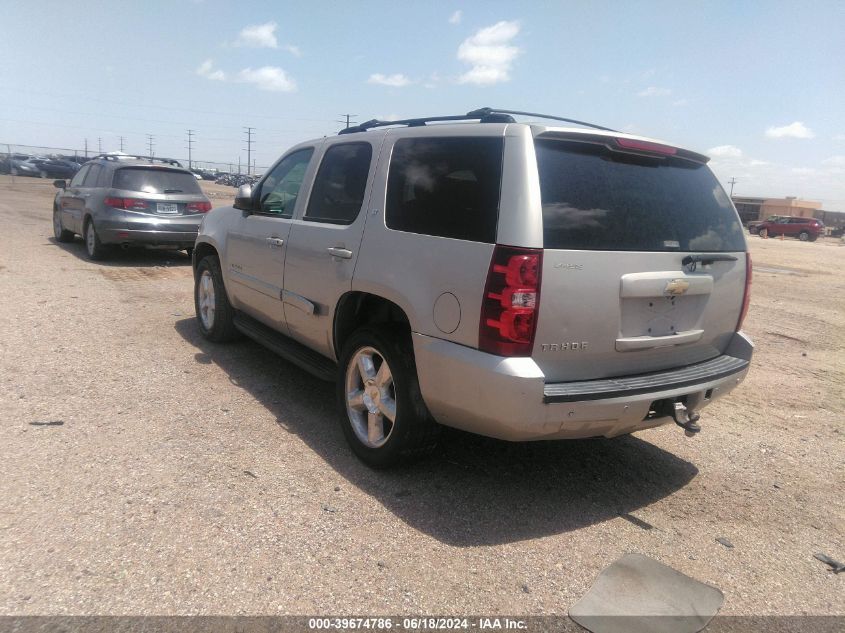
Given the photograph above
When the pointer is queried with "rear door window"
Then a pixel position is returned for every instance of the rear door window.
(447, 187)
(597, 199)
(91, 177)
(152, 180)
(339, 187)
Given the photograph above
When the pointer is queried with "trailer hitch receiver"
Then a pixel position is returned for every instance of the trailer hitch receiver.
(687, 420)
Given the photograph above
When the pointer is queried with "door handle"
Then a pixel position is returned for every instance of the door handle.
(343, 253)
(275, 241)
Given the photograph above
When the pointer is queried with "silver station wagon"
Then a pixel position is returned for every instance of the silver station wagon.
(518, 280)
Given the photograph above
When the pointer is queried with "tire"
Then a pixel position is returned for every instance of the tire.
(59, 231)
(804, 236)
(94, 248)
(373, 437)
(764, 233)
(215, 315)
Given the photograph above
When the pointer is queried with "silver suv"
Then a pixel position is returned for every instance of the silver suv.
(122, 200)
(517, 280)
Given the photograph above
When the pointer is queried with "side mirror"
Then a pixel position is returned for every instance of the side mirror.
(243, 199)
(60, 184)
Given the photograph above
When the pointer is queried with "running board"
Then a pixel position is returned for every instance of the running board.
(301, 356)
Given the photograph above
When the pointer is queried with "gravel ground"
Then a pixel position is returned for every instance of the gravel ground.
(146, 471)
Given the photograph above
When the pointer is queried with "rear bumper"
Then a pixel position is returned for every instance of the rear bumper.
(508, 398)
(181, 239)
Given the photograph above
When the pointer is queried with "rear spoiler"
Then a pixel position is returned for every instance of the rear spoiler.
(627, 145)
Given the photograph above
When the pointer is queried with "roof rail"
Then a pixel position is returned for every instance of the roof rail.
(483, 115)
(152, 159)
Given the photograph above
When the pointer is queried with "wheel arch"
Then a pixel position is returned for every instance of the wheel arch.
(201, 250)
(356, 309)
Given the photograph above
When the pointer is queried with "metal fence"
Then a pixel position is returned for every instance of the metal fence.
(13, 150)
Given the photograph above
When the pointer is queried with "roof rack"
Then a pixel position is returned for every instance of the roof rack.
(152, 159)
(483, 115)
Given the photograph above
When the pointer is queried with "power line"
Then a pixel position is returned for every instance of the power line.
(249, 142)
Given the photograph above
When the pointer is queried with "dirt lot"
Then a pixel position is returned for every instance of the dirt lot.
(145, 471)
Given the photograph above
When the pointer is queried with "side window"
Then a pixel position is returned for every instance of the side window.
(80, 176)
(105, 177)
(279, 190)
(91, 178)
(447, 187)
(339, 187)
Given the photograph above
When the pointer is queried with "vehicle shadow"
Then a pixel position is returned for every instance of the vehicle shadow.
(473, 491)
(136, 257)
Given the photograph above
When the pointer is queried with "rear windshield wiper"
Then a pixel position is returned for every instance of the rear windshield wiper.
(706, 258)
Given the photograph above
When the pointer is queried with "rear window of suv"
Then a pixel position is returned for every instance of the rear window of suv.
(151, 180)
(597, 199)
(447, 187)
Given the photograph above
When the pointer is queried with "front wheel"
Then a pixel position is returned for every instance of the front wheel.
(59, 231)
(382, 413)
(764, 233)
(215, 315)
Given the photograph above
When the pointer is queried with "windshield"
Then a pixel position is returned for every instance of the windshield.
(596, 199)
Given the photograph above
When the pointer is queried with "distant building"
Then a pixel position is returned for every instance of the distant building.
(751, 209)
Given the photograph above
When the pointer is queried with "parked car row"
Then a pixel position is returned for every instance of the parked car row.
(38, 167)
(237, 180)
(520, 281)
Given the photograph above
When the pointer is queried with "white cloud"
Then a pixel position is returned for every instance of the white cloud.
(680, 102)
(293, 50)
(803, 171)
(489, 53)
(793, 130)
(725, 151)
(834, 161)
(654, 91)
(397, 80)
(270, 78)
(456, 17)
(258, 36)
(206, 69)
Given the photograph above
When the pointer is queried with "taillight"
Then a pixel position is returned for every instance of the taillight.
(132, 204)
(746, 298)
(198, 207)
(511, 300)
(646, 146)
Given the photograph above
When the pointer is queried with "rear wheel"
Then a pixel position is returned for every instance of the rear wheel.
(215, 315)
(95, 249)
(59, 231)
(382, 413)
(763, 233)
(803, 236)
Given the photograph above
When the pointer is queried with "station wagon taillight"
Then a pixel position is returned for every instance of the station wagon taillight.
(746, 297)
(198, 207)
(131, 204)
(511, 301)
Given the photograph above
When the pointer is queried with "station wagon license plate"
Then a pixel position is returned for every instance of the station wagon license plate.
(171, 209)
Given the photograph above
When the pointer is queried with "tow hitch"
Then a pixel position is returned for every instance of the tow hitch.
(687, 420)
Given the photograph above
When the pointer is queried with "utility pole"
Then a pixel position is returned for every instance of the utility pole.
(150, 143)
(99, 144)
(190, 146)
(348, 118)
(122, 139)
(248, 131)
(732, 182)
(239, 165)
(86, 148)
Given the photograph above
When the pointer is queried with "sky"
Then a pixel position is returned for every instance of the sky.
(758, 86)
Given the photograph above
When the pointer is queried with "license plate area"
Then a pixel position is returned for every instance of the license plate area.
(167, 208)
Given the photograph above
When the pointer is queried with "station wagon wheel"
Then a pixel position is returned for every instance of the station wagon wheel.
(382, 413)
(215, 315)
(93, 246)
(58, 228)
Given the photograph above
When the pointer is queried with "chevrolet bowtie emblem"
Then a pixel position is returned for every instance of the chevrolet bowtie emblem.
(676, 287)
